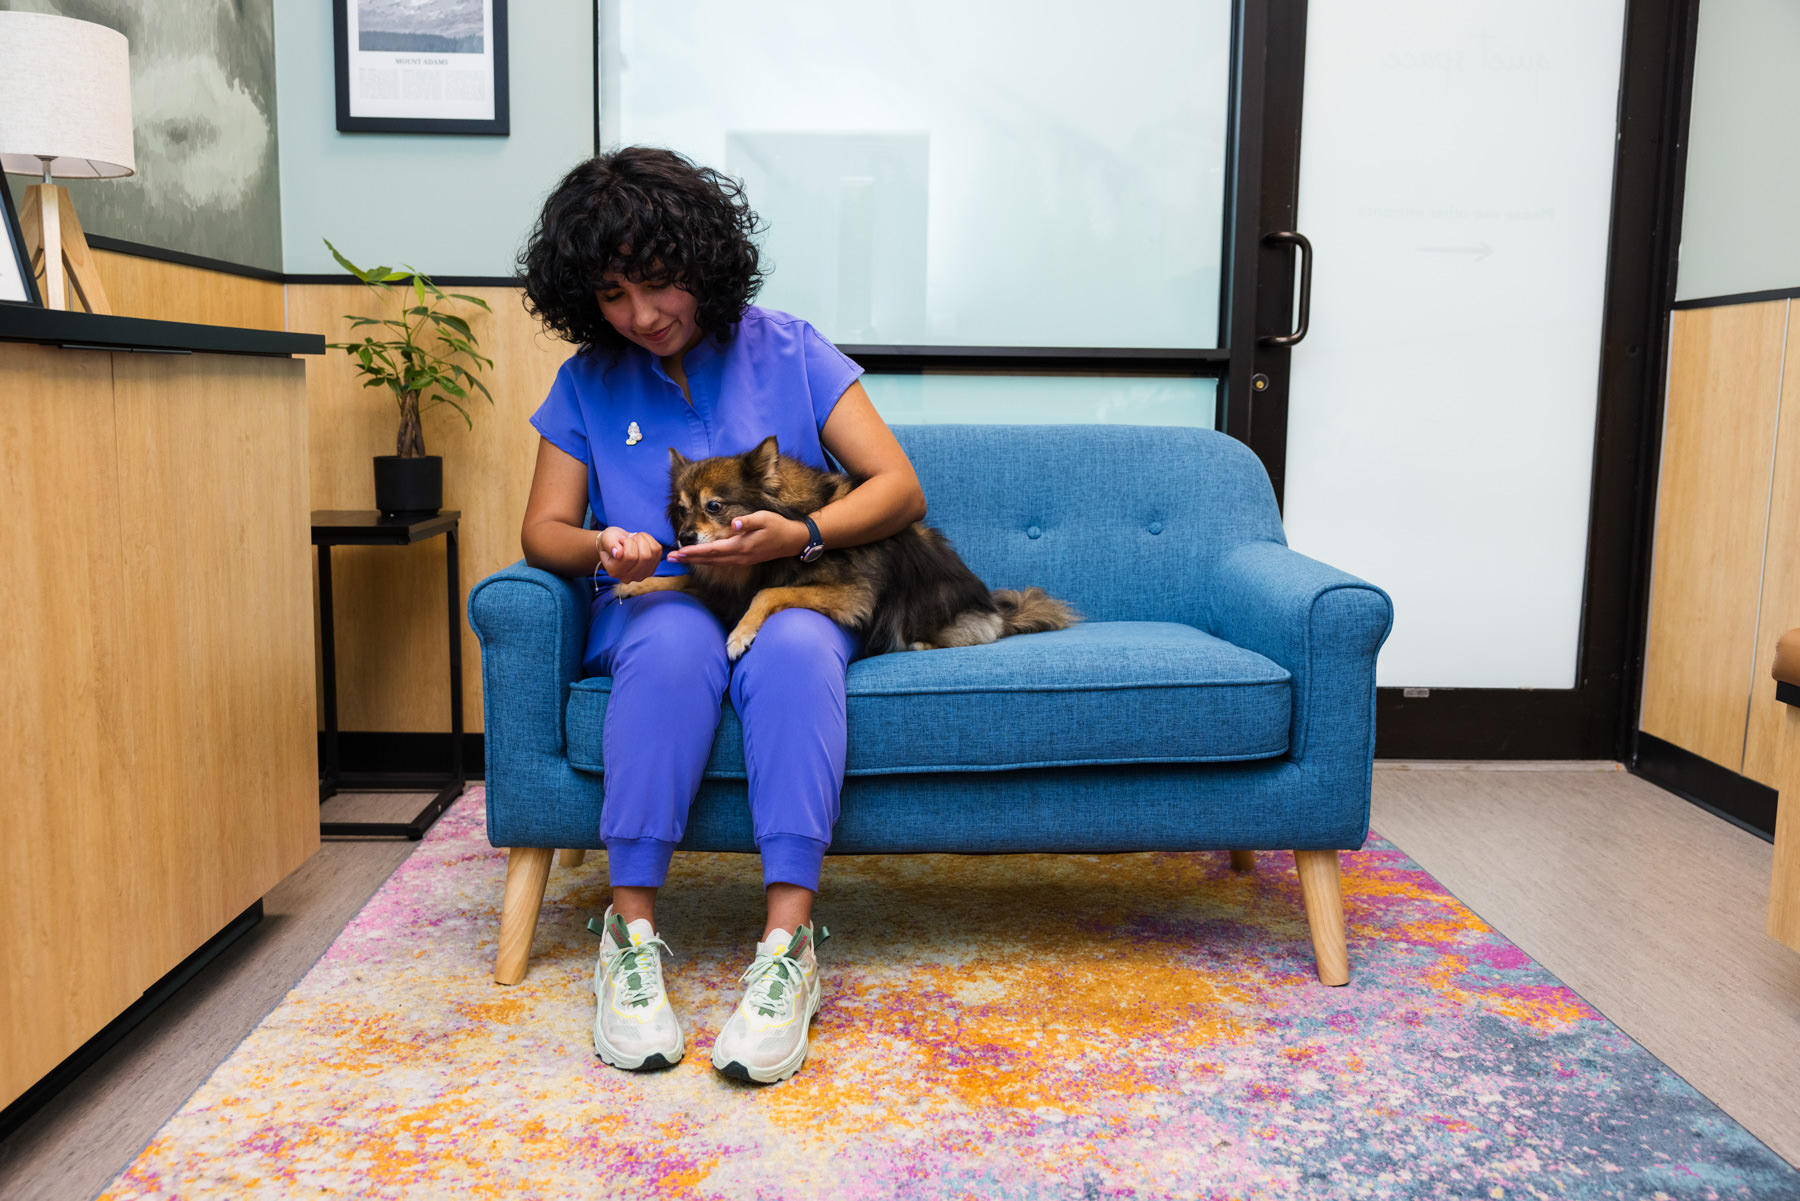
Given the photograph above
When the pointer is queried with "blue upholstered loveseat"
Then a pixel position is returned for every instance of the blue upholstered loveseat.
(1220, 694)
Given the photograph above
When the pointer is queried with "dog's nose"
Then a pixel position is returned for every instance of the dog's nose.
(686, 538)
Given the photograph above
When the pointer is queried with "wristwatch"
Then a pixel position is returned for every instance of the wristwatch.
(815, 545)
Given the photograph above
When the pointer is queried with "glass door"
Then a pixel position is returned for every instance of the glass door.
(1457, 182)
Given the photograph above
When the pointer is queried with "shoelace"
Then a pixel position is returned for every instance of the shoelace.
(774, 981)
(636, 971)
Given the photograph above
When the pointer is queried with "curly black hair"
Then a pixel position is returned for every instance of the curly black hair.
(642, 214)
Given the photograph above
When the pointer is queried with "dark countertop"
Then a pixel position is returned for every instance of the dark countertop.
(27, 323)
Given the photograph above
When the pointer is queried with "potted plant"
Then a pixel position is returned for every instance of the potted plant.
(427, 358)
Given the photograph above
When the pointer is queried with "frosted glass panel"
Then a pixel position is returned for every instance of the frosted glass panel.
(952, 173)
(1456, 180)
(1740, 226)
(1042, 399)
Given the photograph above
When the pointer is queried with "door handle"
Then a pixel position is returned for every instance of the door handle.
(1306, 260)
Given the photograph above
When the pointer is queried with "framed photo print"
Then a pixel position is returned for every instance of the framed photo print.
(18, 284)
(421, 66)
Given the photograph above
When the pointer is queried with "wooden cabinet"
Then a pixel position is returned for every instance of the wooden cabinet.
(157, 719)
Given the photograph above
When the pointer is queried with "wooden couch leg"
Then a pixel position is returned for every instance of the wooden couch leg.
(1243, 861)
(527, 871)
(1324, 898)
(570, 857)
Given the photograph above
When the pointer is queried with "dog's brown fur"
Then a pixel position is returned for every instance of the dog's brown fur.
(909, 591)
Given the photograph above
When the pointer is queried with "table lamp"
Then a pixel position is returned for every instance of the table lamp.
(65, 112)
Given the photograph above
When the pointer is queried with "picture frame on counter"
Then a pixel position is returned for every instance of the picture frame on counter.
(18, 282)
(421, 66)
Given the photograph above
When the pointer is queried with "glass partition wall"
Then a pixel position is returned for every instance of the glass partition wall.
(1007, 213)
(1054, 212)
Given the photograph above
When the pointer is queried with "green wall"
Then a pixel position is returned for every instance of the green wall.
(447, 204)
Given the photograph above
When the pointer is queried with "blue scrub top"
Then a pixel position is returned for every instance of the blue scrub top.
(776, 375)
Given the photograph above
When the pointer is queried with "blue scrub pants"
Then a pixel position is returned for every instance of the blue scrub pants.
(665, 653)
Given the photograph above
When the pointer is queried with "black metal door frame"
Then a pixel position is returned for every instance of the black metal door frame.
(1269, 60)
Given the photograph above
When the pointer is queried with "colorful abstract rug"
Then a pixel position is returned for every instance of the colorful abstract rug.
(1010, 1027)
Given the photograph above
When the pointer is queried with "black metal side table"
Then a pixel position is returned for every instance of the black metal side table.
(366, 527)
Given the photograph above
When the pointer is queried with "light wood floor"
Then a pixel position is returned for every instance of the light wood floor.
(1650, 908)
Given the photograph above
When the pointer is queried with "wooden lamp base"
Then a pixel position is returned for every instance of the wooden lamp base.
(59, 252)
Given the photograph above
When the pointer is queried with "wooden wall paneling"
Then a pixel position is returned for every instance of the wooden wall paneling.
(389, 601)
(140, 287)
(212, 537)
(1712, 506)
(1780, 601)
(62, 980)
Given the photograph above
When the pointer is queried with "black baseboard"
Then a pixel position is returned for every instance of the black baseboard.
(1491, 723)
(1738, 799)
(163, 255)
(59, 1078)
(366, 751)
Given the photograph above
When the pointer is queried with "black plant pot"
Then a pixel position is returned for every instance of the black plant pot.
(409, 487)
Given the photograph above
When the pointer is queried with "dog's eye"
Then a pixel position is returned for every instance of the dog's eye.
(713, 506)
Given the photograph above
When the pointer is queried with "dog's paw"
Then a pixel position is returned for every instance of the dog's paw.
(739, 642)
(922, 646)
(627, 591)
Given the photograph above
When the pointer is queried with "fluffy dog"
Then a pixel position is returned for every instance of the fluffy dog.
(908, 591)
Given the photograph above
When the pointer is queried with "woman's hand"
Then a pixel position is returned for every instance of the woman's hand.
(627, 557)
(759, 537)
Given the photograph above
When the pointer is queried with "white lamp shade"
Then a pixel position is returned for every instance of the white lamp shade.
(65, 95)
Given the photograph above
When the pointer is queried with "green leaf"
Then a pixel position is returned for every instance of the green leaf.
(418, 288)
(456, 323)
(471, 299)
(346, 264)
(460, 410)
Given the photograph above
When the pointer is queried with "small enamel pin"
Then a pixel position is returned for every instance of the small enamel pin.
(633, 435)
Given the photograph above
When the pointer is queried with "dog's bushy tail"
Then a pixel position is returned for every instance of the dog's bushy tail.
(1031, 612)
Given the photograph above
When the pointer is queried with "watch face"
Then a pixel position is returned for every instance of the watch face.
(812, 552)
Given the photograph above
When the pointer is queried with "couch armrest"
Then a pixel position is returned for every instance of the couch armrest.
(1324, 625)
(533, 628)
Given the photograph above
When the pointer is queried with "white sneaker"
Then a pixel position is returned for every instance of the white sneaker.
(765, 1040)
(634, 1028)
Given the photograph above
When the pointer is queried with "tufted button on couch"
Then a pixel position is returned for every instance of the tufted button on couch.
(1220, 694)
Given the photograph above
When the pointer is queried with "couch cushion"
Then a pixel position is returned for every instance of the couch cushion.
(1103, 692)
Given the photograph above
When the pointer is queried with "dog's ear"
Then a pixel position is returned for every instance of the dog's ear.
(677, 460)
(763, 464)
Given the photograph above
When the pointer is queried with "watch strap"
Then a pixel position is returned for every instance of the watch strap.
(814, 542)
